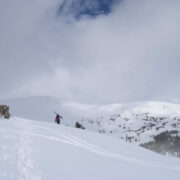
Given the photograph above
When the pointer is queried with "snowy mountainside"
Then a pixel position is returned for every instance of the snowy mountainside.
(35, 150)
(132, 122)
(138, 124)
(153, 125)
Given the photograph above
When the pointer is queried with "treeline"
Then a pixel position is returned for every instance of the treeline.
(167, 142)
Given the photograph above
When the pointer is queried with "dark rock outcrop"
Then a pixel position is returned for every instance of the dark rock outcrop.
(4, 111)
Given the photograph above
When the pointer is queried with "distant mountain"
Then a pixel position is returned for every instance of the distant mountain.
(153, 125)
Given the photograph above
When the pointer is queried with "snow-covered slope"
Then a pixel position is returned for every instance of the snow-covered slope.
(35, 150)
(138, 122)
(135, 122)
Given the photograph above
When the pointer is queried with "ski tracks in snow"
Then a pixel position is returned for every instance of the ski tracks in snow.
(97, 150)
(28, 164)
(68, 138)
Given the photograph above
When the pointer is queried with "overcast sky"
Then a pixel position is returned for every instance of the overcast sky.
(128, 52)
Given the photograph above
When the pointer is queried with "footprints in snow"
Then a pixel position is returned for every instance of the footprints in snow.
(17, 159)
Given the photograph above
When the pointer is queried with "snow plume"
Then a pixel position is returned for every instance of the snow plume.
(130, 54)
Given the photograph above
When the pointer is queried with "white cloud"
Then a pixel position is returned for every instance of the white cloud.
(130, 55)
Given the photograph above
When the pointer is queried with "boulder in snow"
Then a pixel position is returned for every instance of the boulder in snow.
(4, 111)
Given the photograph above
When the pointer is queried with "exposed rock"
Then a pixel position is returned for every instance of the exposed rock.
(4, 111)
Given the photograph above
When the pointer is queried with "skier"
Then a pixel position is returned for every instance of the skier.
(58, 118)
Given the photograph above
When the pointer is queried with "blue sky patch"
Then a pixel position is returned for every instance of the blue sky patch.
(79, 8)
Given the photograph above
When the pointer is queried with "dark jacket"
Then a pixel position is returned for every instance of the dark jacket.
(58, 119)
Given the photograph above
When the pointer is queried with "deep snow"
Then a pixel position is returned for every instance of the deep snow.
(32, 150)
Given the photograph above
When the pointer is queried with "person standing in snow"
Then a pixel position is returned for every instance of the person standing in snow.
(58, 118)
